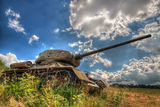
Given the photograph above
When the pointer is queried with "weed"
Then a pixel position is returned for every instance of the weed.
(26, 93)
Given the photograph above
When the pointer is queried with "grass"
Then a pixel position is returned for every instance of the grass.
(26, 93)
(143, 90)
(139, 97)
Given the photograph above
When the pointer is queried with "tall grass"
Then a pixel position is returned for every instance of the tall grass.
(26, 92)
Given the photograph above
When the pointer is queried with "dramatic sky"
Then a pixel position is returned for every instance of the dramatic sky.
(28, 27)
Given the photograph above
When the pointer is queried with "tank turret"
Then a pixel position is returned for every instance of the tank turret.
(60, 56)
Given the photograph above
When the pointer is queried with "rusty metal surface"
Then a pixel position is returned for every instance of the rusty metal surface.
(25, 64)
(61, 56)
(81, 75)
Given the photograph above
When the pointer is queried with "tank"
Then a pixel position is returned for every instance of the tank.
(61, 65)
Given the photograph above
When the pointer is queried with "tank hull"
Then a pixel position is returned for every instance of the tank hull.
(59, 73)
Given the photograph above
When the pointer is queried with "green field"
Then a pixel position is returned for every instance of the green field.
(26, 93)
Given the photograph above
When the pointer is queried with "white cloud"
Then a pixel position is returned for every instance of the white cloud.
(56, 30)
(13, 21)
(9, 58)
(65, 4)
(97, 58)
(151, 44)
(33, 38)
(10, 12)
(158, 19)
(75, 44)
(14, 24)
(63, 31)
(100, 18)
(51, 48)
(144, 71)
(92, 59)
(36, 56)
(81, 46)
(69, 29)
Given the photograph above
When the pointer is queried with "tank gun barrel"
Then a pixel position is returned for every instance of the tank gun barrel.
(80, 56)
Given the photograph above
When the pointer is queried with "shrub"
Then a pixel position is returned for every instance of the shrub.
(26, 89)
(2, 67)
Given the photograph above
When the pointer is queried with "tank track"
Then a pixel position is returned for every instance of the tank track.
(62, 75)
